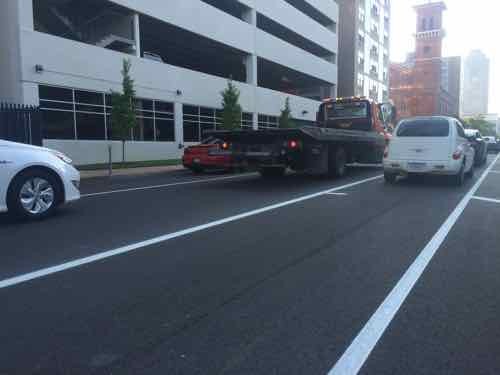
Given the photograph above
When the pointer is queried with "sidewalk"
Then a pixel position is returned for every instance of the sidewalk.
(130, 171)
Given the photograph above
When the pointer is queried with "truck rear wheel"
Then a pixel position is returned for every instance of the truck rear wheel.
(337, 162)
(272, 172)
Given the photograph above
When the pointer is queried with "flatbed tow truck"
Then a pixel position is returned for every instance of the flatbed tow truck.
(347, 130)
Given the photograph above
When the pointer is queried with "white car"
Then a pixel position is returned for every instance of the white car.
(34, 181)
(429, 145)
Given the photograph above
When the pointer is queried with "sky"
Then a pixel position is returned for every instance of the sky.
(469, 25)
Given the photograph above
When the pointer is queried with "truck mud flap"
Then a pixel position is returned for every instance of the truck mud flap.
(316, 158)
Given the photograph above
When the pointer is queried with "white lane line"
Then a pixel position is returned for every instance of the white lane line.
(357, 353)
(340, 194)
(191, 182)
(491, 200)
(153, 241)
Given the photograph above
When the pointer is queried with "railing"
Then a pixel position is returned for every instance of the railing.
(20, 123)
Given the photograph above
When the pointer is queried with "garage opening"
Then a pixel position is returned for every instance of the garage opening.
(280, 78)
(96, 22)
(315, 14)
(231, 7)
(166, 43)
(268, 25)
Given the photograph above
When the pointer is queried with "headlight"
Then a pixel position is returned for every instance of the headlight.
(61, 156)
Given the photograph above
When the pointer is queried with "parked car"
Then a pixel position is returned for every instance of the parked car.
(34, 181)
(480, 146)
(429, 145)
(494, 147)
(199, 158)
(492, 144)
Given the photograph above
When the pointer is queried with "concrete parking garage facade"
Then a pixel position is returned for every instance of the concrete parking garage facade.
(66, 57)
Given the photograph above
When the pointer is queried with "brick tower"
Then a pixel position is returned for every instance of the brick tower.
(430, 32)
(427, 84)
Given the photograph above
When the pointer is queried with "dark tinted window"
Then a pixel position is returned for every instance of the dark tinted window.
(89, 97)
(460, 130)
(424, 128)
(90, 126)
(347, 110)
(55, 93)
(165, 130)
(58, 125)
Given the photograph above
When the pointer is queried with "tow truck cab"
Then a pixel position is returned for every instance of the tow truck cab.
(356, 113)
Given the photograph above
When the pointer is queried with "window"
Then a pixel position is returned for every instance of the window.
(57, 109)
(338, 111)
(164, 121)
(424, 128)
(247, 120)
(86, 115)
(58, 124)
(460, 130)
(268, 122)
(427, 50)
(423, 27)
(198, 120)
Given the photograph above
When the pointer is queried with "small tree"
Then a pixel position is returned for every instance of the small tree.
(285, 120)
(123, 119)
(231, 109)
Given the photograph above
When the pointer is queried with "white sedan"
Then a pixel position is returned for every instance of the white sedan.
(34, 181)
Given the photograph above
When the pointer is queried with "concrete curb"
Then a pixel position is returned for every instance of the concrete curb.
(130, 171)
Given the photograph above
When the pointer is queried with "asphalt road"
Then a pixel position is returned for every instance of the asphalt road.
(222, 274)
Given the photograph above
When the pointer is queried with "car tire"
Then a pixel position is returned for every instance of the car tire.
(470, 174)
(459, 178)
(272, 172)
(197, 169)
(337, 162)
(34, 194)
(390, 178)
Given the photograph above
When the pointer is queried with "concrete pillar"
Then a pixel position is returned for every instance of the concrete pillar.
(179, 129)
(29, 92)
(250, 16)
(137, 35)
(26, 20)
(251, 69)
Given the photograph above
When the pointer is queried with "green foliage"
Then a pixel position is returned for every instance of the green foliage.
(285, 120)
(231, 109)
(123, 118)
(486, 128)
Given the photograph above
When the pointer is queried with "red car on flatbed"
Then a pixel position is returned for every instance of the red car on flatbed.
(201, 157)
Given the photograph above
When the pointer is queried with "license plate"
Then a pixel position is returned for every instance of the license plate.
(416, 166)
(197, 161)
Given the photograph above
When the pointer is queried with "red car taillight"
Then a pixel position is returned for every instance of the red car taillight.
(457, 155)
(225, 146)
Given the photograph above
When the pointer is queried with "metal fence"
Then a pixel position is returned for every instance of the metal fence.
(21, 123)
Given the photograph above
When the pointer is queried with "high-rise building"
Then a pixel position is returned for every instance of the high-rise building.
(475, 94)
(364, 38)
(427, 83)
(66, 57)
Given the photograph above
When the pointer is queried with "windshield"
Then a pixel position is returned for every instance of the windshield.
(348, 110)
(424, 128)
